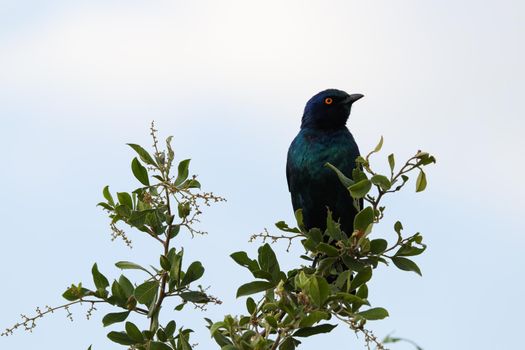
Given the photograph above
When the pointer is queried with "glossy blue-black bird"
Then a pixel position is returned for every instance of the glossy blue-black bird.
(323, 138)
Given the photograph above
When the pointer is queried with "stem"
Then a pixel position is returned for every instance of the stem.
(277, 341)
(166, 244)
(155, 236)
(29, 322)
(369, 336)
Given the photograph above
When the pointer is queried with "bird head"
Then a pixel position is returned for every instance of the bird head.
(329, 109)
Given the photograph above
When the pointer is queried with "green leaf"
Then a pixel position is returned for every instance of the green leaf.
(176, 265)
(289, 343)
(299, 218)
(424, 158)
(265, 275)
(161, 335)
(155, 219)
(283, 226)
(126, 286)
(124, 198)
(391, 162)
(315, 235)
(364, 218)
(184, 344)
(333, 229)
(128, 265)
(251, 306)
(171, 154)
(327, 249)
(108, 196)
(349, 298)
(347, 182)
(138, 218)
(120, 338)
(195, 297)
(194, 272)
(229, 347)
(268, 261)
(253, 287)
(183, 172)
(146, 292)
(377, 246)
(308, 331)
(175, 229)
(362, 292)
(325, 264)
(406, 264)
(398, 226)
(301, 280)
(379, 146)
(143, 154)
(242, 259)
(183, 209)
(357, 173)
(221, 339)
(343, 279)
(134, 332)
(421, 182)
(70, 294)
(317, 288)
(76, 292)
(376, 313)
(360, 189)
(170, 329)
(155, 345)
(191, 183)
(269, 307)
(114, 318)
(381, 181)
(105, 206)
(353, 264)
(101, 282)
(165, 263)
(408, 250)
(272, 321)
(361, 278)
(309, 244)
(314, 317)
(118, 293)
(266, 257)
(140, 172)
(216, 326)
(123, 211)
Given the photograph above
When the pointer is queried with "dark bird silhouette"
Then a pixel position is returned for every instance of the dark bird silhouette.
(323, 138)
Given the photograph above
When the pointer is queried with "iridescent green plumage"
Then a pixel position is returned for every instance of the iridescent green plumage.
(323, 138)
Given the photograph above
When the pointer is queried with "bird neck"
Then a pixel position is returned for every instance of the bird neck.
(325, 130)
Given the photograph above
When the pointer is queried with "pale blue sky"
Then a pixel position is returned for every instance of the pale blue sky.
(229, 79)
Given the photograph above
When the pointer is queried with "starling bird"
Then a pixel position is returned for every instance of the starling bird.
(323, 138)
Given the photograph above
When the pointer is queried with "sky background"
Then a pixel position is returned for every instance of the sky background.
(229, 80)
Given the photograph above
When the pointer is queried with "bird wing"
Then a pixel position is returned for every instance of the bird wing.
(314, 187)
(294, 174)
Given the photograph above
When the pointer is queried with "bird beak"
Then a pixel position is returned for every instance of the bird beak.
(352, 98)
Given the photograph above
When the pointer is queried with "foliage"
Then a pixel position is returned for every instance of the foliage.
(161, 208)
(331, 286)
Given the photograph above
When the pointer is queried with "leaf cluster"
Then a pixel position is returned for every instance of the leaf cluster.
(161, 207)
(332, 284)
(329, 287)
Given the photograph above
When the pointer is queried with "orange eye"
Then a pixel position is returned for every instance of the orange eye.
(328, 101)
